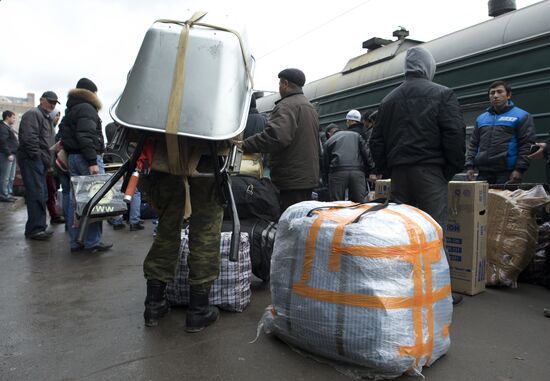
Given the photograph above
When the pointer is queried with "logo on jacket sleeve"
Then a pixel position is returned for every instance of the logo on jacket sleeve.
(507, 119)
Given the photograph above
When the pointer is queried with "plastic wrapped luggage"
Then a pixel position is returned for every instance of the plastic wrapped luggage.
(231, 291)
(368, 290)
(512, 233)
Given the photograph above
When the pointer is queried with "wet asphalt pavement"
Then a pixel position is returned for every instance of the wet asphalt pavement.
(78, 316)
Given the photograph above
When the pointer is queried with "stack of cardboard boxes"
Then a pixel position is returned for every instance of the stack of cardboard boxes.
(466, 233)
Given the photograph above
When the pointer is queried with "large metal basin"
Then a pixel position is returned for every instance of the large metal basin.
(216, 91)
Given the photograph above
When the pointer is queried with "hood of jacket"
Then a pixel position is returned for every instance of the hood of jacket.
(419, 63)
(77, 96)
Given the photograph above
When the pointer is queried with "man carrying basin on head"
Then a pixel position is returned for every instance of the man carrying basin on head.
(167, 194)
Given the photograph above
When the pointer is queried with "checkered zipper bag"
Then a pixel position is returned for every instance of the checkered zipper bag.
(231, 291)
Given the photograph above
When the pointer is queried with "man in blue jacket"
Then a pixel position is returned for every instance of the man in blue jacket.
(501, 139)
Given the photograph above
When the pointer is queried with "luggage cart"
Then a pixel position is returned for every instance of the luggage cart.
(231, 164)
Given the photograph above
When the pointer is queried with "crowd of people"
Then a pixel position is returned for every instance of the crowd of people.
(48, 158)
(416, 137)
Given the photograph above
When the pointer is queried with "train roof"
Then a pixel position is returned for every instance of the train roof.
(388, 61)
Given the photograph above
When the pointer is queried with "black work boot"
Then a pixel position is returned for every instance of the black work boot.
(156, 305)
(200, 314)
(457, 299)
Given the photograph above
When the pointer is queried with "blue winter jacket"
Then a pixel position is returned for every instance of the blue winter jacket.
(501, 142)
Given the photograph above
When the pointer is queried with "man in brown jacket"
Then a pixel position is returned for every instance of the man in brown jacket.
(291, 137)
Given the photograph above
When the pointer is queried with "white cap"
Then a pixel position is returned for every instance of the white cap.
(354, 115)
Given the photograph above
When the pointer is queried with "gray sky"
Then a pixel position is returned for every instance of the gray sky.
(49, 45)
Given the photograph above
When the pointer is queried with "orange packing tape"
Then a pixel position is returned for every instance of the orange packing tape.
(419, 252)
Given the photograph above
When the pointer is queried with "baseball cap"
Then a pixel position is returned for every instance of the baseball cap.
(50, 95)
(354, 115)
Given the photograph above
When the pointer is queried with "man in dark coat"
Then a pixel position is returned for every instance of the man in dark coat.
(8, 150)
(345, 155)
(34, 159)
(82, 138)
(256, 122)
(419, 137)
(291, 137)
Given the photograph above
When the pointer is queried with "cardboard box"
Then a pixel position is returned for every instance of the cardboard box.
(382, 188)
(466, 235)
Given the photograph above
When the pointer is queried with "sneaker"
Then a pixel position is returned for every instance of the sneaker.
(119, 226)
(7, 199)
(138, 226)
(57, 220)
(13, 198)
(547, 312)
(40, 236)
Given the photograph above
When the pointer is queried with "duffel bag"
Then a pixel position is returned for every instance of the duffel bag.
(255, 198)
(262, 237)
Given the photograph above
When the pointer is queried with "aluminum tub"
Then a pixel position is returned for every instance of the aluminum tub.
(216, 91)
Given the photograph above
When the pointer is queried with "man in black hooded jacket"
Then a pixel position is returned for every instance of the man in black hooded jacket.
(82, 138)
(419, 137)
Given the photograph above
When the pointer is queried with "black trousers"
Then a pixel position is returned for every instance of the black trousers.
(353, 181)
(422, 186)
(290, 197)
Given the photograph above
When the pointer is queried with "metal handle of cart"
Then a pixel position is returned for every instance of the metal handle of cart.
(231, 164)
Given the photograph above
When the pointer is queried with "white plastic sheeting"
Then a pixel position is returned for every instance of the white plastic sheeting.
(373, 293)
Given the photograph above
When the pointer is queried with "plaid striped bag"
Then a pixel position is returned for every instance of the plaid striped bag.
(231, 291)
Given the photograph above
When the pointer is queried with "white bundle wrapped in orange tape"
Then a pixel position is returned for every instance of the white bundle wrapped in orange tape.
(367, 289)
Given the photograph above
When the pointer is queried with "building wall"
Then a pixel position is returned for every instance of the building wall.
(18, 105)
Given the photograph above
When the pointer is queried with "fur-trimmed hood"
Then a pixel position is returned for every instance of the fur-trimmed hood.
(76, 96)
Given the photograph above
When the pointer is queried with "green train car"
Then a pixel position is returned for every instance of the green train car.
(514, 46)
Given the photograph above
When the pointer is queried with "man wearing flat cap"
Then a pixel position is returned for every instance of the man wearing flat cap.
(291, 138)
(34, 159)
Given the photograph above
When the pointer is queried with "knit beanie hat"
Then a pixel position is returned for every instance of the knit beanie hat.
(85, 83)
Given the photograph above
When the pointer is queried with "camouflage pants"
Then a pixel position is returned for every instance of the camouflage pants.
(167, 194)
